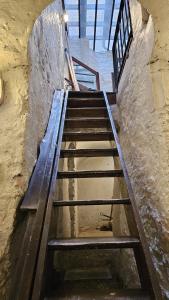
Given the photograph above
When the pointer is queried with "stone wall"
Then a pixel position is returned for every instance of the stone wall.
(144, 117)
(24, 108)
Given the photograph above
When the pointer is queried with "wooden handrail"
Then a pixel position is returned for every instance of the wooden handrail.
(71, 70)
(35, 204)
(79, 62)
(71, 66)
(41, 266)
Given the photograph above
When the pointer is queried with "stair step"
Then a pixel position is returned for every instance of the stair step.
(86, 123)
(86, 98)
(87, 112)
(88, 153)
(87, 136)
(94, 243)
(80, 95)
(77, 103)
(90, 174)
(125, 201)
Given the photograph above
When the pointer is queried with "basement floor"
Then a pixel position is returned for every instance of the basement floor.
(94, 290)
(92, 284)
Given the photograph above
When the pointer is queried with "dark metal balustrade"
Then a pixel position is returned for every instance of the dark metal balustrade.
(122, 40)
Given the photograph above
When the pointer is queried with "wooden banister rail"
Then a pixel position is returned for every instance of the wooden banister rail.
(140, 228)
(79, 62)
(35, 205)
(73, 81)
(71, 71)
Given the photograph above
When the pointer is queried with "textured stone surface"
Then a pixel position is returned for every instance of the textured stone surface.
(144, 114)
(24, 118)
(48, 68)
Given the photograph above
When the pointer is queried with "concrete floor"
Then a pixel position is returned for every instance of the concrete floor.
(95, 290)
(100, 62)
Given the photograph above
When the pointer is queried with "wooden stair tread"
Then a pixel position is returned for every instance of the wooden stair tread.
(89, 152)
(94, 243)
(87, 122)
(87, 112)
(73, 94)
(86, 98)
(87, 136)
(88, 119)
(124, 201)
(90, 174)
(86, 103)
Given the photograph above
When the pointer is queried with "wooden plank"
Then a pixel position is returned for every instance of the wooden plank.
(87, 112)
(86, 123)
(79, 99)
(43, 166)
(77, 103)
(89, 153)
(147, 254)
(87, 136)
(94, 243)
(60, 203)
(90, 94)
(90, 174)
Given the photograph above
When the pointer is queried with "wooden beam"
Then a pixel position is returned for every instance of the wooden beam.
(94, 243)
(77, 103)
(89, 153)
(87, 136)
(61, 203)
(90, 174)
(87, 112)
(75, 123)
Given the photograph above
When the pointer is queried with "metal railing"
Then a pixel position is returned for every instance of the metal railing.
(122, 40)
(89, 72)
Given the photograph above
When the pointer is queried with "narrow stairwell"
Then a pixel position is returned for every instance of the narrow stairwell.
(53, 266)
(84, 269)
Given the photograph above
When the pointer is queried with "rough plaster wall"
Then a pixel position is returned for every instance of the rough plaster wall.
(144, 114)
(46, 50)
(23, 119)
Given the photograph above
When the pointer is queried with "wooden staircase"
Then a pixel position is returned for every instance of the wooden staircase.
(82, 117)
